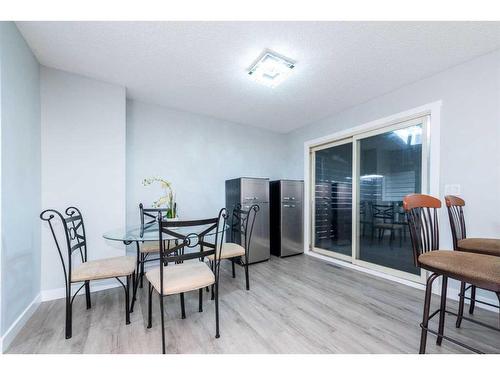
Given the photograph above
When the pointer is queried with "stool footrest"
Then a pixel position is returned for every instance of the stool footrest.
(451, 339)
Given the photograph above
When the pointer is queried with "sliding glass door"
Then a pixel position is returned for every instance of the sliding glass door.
(333, 199)
(359, 185)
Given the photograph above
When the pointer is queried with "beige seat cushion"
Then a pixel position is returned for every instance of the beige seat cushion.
(154, 246)
(488, 246)
(103, 269)
(183, 277)
(150, 247)
(230, 250)
(478, 269)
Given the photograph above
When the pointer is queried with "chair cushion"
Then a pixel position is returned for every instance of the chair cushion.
(230, 250)
(488, 246)
(183, 277)
(150, 247)
(103, 268)
(478, 269)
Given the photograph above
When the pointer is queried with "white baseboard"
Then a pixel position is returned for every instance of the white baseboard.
(452, 292)
(365, 270)
(18, 324)
(96, 286)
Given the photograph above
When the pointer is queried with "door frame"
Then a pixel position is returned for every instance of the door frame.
(433, 110)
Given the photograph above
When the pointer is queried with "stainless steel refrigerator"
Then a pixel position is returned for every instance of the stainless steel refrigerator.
(248, 191)
(286, 217)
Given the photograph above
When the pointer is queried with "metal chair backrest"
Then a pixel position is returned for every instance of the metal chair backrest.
(421, 214)
(384, 212)
(242, 224)
(149, 217)
(457, 220)
(191, 240)
(74, 230)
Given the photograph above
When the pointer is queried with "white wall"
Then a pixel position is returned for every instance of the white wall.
(20, 181)
(83, 161)
(197, 154)
(470, 136)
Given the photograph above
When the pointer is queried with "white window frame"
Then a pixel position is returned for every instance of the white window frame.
(430, 175)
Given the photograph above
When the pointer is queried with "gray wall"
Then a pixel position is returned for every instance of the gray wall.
(83, 164)
(470, 136)
(197, 154)
(20, 154)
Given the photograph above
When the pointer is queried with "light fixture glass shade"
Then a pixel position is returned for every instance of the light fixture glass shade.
(271, 69)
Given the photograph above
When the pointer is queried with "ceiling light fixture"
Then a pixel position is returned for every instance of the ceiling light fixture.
(271, 69)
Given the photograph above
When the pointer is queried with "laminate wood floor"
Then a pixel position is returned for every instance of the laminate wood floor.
(295, 305)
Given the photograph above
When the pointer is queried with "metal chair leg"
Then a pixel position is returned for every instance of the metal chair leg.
(461, 302)
(210, 265)
(142, 270)
(183, 310)
(150, 303)
(127, 301)
(247, 279)
(472, 299)
(217, 335)
(134, 290)
(200, 300)
(442, 310)
(138, 261)
(87, 294)
(232, 265)
(162, 325)
(425, 319)
(69, 325)
(212, 287)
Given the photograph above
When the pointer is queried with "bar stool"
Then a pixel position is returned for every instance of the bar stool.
(477, 269)
(488, 246)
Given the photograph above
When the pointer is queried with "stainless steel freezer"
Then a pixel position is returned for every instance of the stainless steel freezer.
(286, 217)
(247, 191)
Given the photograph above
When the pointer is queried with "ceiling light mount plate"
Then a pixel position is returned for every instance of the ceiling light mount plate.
(271, 68)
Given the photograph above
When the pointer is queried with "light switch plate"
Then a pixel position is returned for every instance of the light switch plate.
(452, 189)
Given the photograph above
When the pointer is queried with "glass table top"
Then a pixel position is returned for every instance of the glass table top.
(150, 233)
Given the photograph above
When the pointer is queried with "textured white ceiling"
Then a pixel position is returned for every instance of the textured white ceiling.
(201, 67)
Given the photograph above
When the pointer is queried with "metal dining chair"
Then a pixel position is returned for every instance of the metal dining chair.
(384, 219)
(147, 250)
(187, 271)
(149, 218)
(488, 246)
(85, 271)
(240, 235)
(478, 269)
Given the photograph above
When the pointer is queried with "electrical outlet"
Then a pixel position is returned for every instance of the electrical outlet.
(452, 189)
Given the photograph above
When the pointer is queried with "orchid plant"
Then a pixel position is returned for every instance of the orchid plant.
(168, 199)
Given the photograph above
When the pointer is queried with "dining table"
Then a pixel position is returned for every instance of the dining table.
(150, 233)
